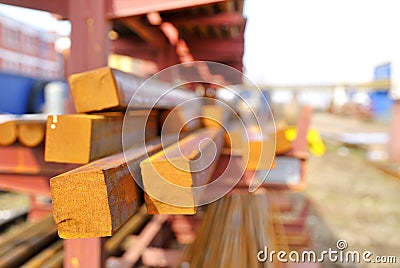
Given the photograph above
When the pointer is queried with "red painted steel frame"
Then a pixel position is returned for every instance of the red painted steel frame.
(158, 257)
(29, 184)
(394, 142)
(124, 8)
(90, 45)
(84, 252)
(22, 169)
(54, 6)
(89, 49)
(18, 159)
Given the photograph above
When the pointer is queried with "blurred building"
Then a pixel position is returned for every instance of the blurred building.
(28, 51)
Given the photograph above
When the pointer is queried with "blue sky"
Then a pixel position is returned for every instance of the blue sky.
(302, 41)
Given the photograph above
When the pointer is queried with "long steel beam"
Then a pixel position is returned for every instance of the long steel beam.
(82, 138)
(95, 200)
(169, 176)
(106, 88)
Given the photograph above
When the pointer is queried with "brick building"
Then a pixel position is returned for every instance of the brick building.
(27, 50)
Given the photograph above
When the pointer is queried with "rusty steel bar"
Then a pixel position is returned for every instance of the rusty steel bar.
(234, 229)
(27, 231)
(45, 255)
(20, 253)
(172, 174)
(131, 226)
(100, 89)
(83, 138)
(95, 200)
(56, 261)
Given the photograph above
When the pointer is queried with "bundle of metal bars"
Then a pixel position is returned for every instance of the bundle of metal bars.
(36, 244)
(233, 231)
(31, 239)
(96, 199)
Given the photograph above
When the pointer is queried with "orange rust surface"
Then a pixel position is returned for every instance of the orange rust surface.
(95, 200)
(82, 138)
(31, 134)
(259, 154)
(8, 133)
(94, 90)
(283, 145)
(162, 176)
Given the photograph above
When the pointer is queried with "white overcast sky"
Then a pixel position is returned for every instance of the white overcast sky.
(303, 41)
(319, 41)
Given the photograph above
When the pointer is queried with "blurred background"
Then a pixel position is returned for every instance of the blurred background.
(340, 57)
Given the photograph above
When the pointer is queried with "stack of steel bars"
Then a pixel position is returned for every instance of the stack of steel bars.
(235, 228)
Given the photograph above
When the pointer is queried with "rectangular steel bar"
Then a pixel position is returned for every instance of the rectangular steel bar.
(22, 252)
(176, 165)
(95, 200)
(44, 255)
(133, 225)
(258, 153)
(25, 232)
(181, 119)
(106, 88)
(82, 138)
(215, 115)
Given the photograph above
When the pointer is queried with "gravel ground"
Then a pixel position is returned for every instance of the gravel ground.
(353, 200)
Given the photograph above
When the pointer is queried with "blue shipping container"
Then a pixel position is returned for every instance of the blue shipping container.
(381, 104)
(15, 92)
